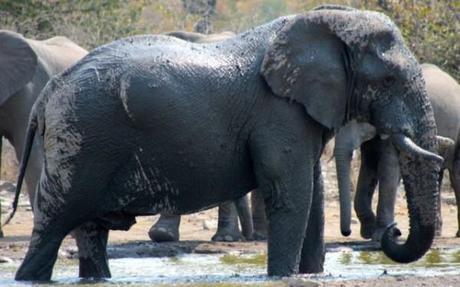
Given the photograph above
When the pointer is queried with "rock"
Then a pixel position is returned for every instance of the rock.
(208, 225)
(8, 186)
(4, 259)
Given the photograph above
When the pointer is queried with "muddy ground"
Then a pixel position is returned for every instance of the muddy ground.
(197, 229)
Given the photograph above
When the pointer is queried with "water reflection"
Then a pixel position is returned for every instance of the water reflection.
(234, 269)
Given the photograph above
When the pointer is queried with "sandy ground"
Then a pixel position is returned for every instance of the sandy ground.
(197, 229)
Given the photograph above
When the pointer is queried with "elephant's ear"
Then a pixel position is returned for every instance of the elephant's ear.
(17, 63)
(306, 64)
(316, 58)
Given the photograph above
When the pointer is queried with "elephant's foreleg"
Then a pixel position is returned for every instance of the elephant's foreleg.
(287, 217)
(227, 226)
(367, 181)
(259, 216)
(388, 177)
(313, 250)
(92, 243)
(165, 229)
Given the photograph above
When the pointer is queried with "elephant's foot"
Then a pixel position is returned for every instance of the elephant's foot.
(163, 234)
(438, 229)
(90, 269)
(228, 235)
(379, 231)
(368, 226)
(166, 229)
(367, 231)
(259, 236)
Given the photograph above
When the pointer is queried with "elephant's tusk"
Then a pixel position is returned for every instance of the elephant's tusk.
(445, 142)
(405, 145)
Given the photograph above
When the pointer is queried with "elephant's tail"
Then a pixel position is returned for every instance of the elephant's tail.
(31, 129)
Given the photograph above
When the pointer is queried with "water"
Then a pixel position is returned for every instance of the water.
(243, 270)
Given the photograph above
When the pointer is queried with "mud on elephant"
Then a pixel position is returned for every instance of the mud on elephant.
(26, 65)
(379, 159)
(167, 226)
(179, 126)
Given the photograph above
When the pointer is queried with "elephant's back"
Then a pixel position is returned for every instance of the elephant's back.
(444, 94)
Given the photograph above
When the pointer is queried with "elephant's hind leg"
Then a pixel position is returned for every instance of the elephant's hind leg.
(227, 226)
(92, 243)
(41, 256)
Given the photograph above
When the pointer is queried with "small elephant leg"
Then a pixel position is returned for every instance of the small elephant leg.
(245, 216)
(455, 182)
(92, 253)
(1, 145)
(259, 217)
(313, 250)
(165, 229)
(227, 226)
(367, 181)
(388, 178)
(438, 226)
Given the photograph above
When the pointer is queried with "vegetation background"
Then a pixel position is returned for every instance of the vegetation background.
(431, 27)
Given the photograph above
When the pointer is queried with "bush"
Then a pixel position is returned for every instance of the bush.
(431, 27)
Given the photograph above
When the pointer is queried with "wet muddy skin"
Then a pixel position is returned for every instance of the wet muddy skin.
(235, 269)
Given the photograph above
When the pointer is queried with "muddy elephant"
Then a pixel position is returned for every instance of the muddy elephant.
(379, 159)
(167, 226)
(152, 124)
(26, 65)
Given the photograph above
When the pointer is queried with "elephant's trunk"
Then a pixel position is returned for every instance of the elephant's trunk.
(419, 169)
(343, 157)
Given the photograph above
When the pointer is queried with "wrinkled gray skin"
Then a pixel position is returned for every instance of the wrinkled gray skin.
(26, 65)
(178, 127)
(167, 226)
(379, 161)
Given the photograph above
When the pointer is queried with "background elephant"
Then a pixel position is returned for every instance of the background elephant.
(167, 226)
(26, 65)
(379, 160)
(181, 126)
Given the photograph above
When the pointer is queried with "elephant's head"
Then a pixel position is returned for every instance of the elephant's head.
(344, 64)
(21, 60)
(18, 63)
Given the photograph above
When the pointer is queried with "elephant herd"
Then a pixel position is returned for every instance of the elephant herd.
(180, 122)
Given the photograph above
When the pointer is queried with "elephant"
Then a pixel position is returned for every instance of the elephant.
(175, 127)
(167, 226)
(26, 65)
(379, 162)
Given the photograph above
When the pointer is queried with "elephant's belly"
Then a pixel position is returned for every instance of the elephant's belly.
(165, 182)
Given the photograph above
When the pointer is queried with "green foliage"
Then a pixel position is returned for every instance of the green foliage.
(431, 27)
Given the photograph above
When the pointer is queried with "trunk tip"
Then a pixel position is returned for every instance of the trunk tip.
(346, 232)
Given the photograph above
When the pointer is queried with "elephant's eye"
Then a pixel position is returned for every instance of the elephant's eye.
(388, 81)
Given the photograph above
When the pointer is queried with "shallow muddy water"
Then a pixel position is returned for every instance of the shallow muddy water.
(243, 270)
